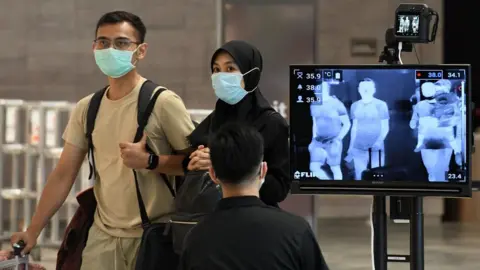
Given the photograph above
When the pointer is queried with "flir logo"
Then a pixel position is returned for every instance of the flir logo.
(298, 175)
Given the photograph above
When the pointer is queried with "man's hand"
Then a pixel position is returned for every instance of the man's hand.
(135, 155)
(29, 238)
(200, 159)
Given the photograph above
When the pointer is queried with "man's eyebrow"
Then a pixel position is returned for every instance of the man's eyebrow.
(120, 37)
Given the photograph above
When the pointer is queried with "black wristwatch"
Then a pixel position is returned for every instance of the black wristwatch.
(152, 162)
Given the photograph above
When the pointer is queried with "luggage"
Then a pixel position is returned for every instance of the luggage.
(382, 173)
(14, 260)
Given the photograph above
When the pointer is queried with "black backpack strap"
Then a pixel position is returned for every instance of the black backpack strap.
(144, 113)
(144, 98)
(146, 103)
(92, 111)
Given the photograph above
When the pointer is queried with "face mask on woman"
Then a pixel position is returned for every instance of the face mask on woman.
(228, 86)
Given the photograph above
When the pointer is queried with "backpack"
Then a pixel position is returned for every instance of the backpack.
(156, 245)
(76, 234)
(196, 199)
(144, 98)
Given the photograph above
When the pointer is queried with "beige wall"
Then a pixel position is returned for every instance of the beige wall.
(45, 52)
(46, 47)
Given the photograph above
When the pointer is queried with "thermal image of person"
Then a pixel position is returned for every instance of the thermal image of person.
(422, 112)
(435, 117)
(451, 111)
(461, 129)
(402, 24)
(407, 25)
(415, 23)
(370, 127)
(330, 126)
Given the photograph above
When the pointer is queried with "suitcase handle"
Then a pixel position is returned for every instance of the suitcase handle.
(379, 158)
(18, 247)
(369, 166)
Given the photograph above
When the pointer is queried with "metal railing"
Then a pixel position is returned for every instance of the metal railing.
(30, 143)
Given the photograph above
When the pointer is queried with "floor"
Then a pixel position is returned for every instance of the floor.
(346, 245)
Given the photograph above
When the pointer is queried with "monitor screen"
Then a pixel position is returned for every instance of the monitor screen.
(407, 25)
(374, 125)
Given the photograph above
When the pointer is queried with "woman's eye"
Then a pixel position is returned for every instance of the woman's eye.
(230, 69)
(215, 70)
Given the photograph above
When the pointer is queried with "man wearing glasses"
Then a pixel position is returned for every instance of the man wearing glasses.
(114, 238)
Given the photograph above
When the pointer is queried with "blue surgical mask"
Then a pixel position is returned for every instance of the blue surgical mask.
(228, 86)
(114, 63)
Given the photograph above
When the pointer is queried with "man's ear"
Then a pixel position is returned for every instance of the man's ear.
(142, 51)
(211, 172)
(263, 172)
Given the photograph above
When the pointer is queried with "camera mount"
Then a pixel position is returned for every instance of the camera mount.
(412, 25)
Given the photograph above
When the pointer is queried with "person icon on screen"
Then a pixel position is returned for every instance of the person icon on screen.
(330, 125)
(370, 127)
(300, 99)
(435, 118)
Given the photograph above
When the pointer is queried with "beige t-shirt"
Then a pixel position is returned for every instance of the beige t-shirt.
(117, 210)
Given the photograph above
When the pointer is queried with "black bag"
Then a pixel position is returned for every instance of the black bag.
(196, 198)
(156, 251)
(382, 173)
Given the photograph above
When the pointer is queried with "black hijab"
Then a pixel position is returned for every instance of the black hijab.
(250, 108)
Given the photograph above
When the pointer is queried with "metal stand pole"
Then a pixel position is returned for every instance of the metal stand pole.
(28, 204)
(2, 161)
(417, 244)
(41, 163)
(15, 185)
(379, 219)
(314, 218)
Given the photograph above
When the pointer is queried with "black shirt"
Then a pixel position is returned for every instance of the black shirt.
(245, 234)
(274, 130)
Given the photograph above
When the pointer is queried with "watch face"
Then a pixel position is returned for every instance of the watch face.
(150, 160)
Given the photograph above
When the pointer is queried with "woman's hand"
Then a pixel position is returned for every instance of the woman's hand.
(200, 159)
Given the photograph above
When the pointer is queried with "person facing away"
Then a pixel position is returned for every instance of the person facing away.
(330, 126)
(114, 238)
(236, 71)
(243, 232)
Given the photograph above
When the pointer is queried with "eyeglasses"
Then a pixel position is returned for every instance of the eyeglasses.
(118, 43)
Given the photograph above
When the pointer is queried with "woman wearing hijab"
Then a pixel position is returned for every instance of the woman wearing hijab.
(236, 70)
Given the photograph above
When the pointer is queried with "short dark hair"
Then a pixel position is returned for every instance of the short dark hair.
(366, 79)
(115, 17)
(236, 151)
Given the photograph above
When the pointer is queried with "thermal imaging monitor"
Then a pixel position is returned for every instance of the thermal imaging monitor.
(381, 129)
